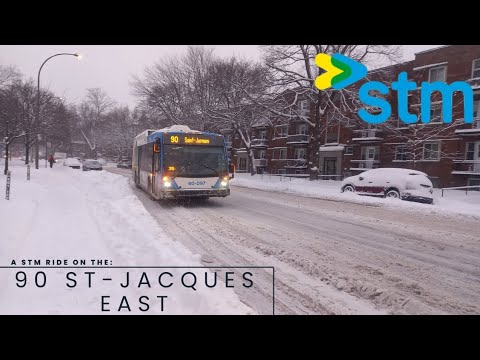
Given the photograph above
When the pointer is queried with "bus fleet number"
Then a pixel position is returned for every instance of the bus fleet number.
(196, 183)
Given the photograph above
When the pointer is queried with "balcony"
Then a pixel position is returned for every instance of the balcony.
(259, 143)
(296, 163)
(472, 129)
(297, 139)
(368, 135)
(466, 167)
(364, 164)
(260, 162)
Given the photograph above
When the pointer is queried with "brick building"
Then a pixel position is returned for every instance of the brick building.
(448, 153)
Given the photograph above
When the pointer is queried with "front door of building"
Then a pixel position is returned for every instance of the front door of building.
(242, 164)
(330, 166)
(370, 157)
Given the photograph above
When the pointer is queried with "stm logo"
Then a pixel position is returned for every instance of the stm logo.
(341, 71)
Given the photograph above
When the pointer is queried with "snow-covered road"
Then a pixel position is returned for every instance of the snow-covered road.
(334, 257)
(65, 214)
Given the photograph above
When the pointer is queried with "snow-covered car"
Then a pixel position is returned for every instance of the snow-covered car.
(72, 162)
(397, 183)
(91, 164)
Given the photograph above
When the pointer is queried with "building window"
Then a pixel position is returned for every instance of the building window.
(302, 129)
(303, 106)
(476, 68)
(300, 153)
(237, 136)
(281, 131)
(262, 134)
(470, 151)
(298, 172)
(281, 171)
(262, 154)
(400, 153)
(370, 153)
(476, 104)
(437, 74)
(332, 137)
(431, 151)
(349, 150)
(436, 113)
(283, 154)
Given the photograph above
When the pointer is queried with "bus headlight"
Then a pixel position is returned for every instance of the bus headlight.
(167, 184)
(224, 183)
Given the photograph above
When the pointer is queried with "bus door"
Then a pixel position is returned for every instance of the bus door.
(155, 165)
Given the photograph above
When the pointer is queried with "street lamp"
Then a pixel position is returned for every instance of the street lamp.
(37, 112)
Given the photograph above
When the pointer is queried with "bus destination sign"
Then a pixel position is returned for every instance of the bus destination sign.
(193, 139)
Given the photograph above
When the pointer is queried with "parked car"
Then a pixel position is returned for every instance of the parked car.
(397, 183)
(72, 162)
(124, 165)
(90, 164)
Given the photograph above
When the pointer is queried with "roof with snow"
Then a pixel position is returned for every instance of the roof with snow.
(429, 66)
(332, 148)
(178, 128)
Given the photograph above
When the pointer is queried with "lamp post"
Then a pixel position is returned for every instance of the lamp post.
(37, 112)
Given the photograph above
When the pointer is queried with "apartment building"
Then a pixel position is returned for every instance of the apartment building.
(448, 153)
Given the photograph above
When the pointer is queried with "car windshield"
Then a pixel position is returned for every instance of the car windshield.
(195, 161)
(92, 162)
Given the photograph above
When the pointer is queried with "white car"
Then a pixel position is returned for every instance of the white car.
(397, 183)
(72, 162)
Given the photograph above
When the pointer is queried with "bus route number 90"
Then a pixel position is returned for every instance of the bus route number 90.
(174, 139)
(196, 183)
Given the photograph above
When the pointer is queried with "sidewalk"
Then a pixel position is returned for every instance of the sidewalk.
(68, 214)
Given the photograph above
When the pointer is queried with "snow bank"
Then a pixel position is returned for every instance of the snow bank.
(454, 202)
(68, 214)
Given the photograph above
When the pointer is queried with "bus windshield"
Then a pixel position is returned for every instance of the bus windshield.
(195, 161)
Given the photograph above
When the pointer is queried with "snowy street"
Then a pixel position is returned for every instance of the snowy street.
(67, 214)
(335, 257)
(330, 256)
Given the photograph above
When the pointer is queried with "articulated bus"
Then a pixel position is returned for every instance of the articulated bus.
(177, 162)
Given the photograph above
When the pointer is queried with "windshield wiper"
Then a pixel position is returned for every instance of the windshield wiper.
(205, 166)
(184, 166)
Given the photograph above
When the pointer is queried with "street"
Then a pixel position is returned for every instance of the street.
(332, 257)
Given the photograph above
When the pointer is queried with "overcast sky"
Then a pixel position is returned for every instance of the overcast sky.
(109, 67)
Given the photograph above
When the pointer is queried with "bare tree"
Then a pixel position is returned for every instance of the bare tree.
(91, 113)
(236, 88)
(205, 92)
(294, 71)
(10, 120)
(177, 89)
(26, 95)
(120, 128)
(8, 75)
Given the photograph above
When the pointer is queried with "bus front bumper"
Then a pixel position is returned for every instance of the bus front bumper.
(173, 194)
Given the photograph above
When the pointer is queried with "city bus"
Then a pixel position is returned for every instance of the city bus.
(178, 162)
